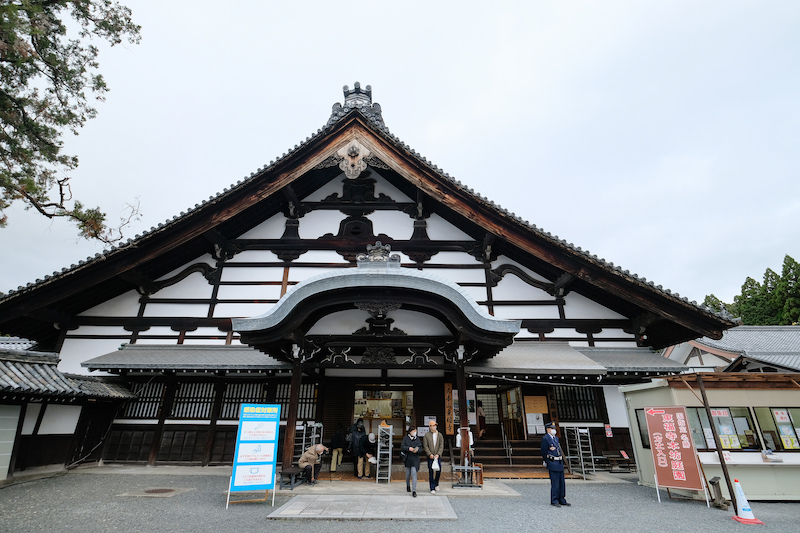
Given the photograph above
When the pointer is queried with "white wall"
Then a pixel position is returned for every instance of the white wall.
(60, 419)
(615, 405)
(9, 419)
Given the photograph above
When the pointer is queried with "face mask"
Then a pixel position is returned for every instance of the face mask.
(552, 431)
(414, 435)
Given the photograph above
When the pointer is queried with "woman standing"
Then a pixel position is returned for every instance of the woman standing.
(410, 448)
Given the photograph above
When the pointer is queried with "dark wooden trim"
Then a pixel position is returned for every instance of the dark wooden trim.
(39, 419)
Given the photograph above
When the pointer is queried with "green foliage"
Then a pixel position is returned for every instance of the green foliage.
(775, 301)
(45, 75)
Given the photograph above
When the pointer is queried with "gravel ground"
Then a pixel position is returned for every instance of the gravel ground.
(89, 503)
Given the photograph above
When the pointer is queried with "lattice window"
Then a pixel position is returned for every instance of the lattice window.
(239, 393)
(306, 402)
(578, 404)
(147, 403)
(489, 402)
(193, 400)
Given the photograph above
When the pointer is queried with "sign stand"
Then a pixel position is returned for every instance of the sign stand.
(674, 455)
(254, 460)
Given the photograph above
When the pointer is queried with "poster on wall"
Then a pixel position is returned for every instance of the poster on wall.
(535, 423)
(472, 406)
(254, 458)
(674, 454)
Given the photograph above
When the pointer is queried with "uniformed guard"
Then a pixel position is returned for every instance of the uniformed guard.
(554, 461)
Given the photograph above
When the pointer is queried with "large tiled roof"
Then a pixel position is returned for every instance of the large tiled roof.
(15, 344)
(36, 374)
(774, 345)
(185, 357)
(758, 340)
(360, 101)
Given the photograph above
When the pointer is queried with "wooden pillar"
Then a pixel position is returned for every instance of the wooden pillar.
(291, 416)
(461, 383)
(216, 408)
(717, 442)
(166, 409)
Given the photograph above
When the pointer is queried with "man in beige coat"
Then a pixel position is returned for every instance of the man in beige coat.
(433, 444)
(311, 462)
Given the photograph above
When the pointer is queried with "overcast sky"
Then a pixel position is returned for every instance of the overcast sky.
(661, 136)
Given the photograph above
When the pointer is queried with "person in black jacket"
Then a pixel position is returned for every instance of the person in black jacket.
(357, 439)
(410, 449)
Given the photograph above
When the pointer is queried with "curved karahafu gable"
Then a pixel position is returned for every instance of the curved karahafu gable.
(380, 279)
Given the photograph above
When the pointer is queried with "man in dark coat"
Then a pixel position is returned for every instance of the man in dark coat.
(554, 460)
(358, 438)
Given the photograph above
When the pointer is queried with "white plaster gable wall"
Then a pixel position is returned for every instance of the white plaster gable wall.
(207, 259)
(503, 260)
(578, 306)
(340, 323)
(194, 285)
(253, 256)
(511, 287)
(272, 228)
(395, 224)
(709, 360)
(382, 186)
(126, 304)
(318, 223)
(615, 405)
(441, 230)
(472, 275)
(176, 310)
(75, 351)
(414, 323)
(349, 321)
(526, 311)
(240, 310)
(333, 186)
(252, 273)
(322, 256)
(453, 258)
(611, 333)
(249, 292)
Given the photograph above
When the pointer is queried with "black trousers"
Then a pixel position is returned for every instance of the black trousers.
(316, 470)
(558, 490)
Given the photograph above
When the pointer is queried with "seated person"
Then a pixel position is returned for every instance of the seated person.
(311, 462)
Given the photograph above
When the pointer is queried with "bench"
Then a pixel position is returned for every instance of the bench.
(291, 476)
(618, 462)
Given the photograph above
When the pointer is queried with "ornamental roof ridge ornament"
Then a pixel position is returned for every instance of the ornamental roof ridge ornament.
(357, 98)
(378, 255)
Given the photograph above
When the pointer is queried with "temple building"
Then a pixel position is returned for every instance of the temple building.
(352, 278)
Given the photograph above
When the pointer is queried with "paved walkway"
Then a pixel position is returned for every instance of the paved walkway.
(165, 499)
(374, 507)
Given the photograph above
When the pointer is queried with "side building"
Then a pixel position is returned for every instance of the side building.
(353, 278)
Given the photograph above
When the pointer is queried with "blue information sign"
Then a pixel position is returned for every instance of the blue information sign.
(256, 448)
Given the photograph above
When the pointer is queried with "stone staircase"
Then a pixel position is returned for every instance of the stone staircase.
(524, 460)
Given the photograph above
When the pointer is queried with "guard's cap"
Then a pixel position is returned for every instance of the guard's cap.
(550, 425)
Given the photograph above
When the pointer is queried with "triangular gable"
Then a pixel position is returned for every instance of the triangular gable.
(658, 316)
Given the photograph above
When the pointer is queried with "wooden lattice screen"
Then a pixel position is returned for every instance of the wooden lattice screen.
(193, 401)
(306, 402)
(239, 393)
(147, 403)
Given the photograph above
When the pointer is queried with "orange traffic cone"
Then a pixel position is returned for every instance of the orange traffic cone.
(743, 512)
